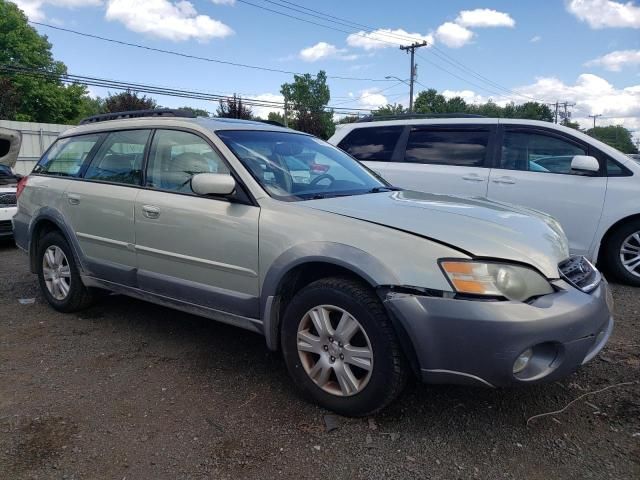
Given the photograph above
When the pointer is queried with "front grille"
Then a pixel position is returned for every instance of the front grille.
(8, 200)
(6, 227)
(579, 272)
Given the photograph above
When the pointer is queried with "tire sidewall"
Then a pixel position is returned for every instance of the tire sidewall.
(383, 367)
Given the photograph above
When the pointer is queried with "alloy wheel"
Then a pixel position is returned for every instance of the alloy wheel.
(334, 350)
(56, 272)
(630, 254)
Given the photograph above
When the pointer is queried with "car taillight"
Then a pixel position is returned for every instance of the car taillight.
(319, 168)
(21, 184)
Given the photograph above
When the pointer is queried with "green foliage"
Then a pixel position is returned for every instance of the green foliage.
(28, 97)
(348, 119)
(308, 97)
(276, 117)
(197, 112)
(615, 136)
(233, 108)
(389, 110)
(127, 101)
(568, 123)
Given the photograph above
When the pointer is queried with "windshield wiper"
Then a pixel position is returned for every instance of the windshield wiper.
(384, 189)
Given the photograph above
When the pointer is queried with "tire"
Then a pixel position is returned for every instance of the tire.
(613, 252)
(75, 296)
(384, 371)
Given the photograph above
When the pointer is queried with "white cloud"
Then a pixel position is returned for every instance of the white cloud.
(592, 95)
(33, 9)
(263, 112)
(175, 21)
(224, 2)
(370, 98)
(535, 39)
(484, 17)
(453, 35)
(606, 13)
(325, 50)
(615, 61)
(385, 38)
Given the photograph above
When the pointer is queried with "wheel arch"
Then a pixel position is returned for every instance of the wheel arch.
(611, 230)
(45, 222)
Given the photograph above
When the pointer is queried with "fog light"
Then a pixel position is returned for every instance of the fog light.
(522, 361)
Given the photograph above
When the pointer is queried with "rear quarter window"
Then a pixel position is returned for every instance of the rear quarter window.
(372, 143)
(66, 156)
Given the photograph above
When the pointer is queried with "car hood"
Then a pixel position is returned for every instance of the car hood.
(477, 226)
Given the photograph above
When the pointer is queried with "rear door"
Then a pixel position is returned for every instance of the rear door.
(448, 159)
(533, 169)
(100, 207)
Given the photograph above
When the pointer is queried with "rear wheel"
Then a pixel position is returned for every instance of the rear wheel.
(58, 275)
(340, 348)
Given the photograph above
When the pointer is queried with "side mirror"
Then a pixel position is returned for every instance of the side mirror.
(584, 164)
(10, 141)
(219, 184)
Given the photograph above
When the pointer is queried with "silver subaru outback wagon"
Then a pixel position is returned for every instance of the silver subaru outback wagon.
(358, 283)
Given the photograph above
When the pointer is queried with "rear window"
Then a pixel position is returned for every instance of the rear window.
(67, 155)
(466, 148)
(373, 143)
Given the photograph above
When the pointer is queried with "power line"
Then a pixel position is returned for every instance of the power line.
(196, 57)
(151, 89)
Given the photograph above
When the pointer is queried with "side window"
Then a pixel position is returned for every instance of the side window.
(537, 152)
(614, 169)
(119, 159)
(464, 148)
(66, 156)
(372, 143)
(176, 156)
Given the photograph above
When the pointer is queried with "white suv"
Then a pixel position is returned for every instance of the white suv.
(9, 146)
(591, 188)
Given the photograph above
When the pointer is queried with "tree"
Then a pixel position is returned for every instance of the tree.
(32, 89)
(430, 101)
(308, 97)
(348, 119)
(534, 111)
(615, 136)
(127, 101)
(88, 107)
(196, 112)
(233, 108)
(276, 117)
(389, 110)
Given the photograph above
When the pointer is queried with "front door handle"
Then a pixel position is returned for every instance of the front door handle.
(473, 177)
(504, 180)
(73, 199)
(150, 211)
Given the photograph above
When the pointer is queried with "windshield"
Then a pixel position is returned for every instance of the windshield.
(294, 167)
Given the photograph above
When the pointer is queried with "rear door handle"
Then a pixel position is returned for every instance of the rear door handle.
(504, 180)
(73, 199)
(473, 177)
(151, 211)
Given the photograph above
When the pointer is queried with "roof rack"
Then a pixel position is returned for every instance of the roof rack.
(411, 116)
(158, 112)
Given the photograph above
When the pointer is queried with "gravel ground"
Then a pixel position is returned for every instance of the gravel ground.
(131, 390)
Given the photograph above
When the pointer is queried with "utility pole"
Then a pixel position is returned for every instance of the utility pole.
(594, 118)
(412, 77)
(556, 111)
(286, 119)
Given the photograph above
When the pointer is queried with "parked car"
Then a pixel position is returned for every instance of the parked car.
(357, 282)
(591, 188)
(9, 147)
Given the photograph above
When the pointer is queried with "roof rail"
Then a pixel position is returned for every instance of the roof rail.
(158, 112)
(411, 116)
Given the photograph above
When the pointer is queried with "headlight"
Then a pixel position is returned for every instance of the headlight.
(495, 279)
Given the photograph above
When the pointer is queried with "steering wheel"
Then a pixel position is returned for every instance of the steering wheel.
(319, 178)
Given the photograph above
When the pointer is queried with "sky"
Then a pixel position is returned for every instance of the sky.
(585, 52)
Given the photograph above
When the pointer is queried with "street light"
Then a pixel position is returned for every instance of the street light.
(389, 77)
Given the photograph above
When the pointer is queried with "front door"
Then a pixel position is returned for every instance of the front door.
(535, 171)
(200, 250)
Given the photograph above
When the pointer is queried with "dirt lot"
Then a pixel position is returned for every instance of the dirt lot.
(131, 390)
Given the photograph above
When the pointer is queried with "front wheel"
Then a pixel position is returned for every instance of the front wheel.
(622, 253)
(340, 348)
